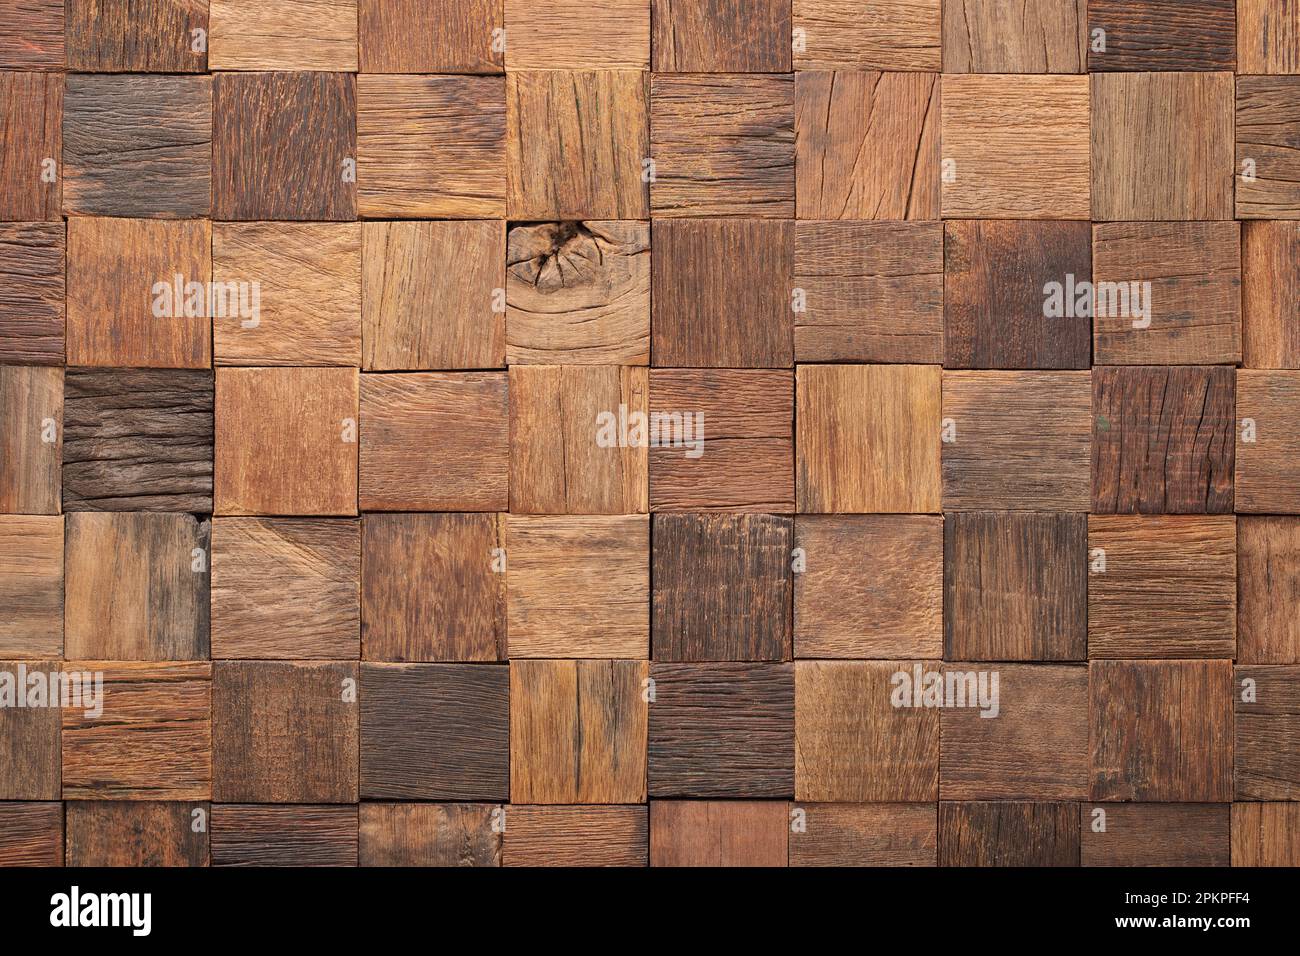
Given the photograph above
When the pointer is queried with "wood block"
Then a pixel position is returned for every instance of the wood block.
(31, 411)
(31, 834)
(1266, 468)
(1161, 146)
(32, 289)
(33, 133)
(997, 308)
(722, 730)
(739, 455)
(1169, 588)
(434, 441)
(887, 35)
(29, 760)
(131, 298)
(1021, 441)
(286, 441)
(135, 36)
(1267, 729)
(154, 741)
(992, 36)
(1268, 37)
(138, 440)
(133, 592)
(719, 833)
(138, 146)
(721, 587)
(1192, 305)
(1161, 730)
(31, 586)
(308, 300)
(435, 732)
(32, 37)
(720, 36)
(428, 292)
(1034, 746)
(286, 588)
(280, 146)
(866, 438)
(1268, 583)
(866, 834)
(873, 292)
(1162, 440)
(1018, 145)
(402, 619)
(866, 145)
(1268, 138)
(889, 606)
(562, 458)
(1002, 833)
(1164, 35)
(1266, 834)
(136, 834)
(578, 587)
(1270, 270)
(852, 745)
(577, 731)
(296, 836)
(430, 36)
(577, 836)
(428, 834)
(1015, 587)
(284, 732)
(723, 145)
(431, 146)
(1155, 834)
(287, 35)
(578, 293)
(575, 35)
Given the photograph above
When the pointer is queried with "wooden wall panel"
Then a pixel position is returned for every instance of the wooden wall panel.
(31, 834)
(1266, 468)
(1003, 833)
(31, 586)
(887, 35)
(1270, 273)
(287, 35)
(719, 833)
(34, 110)
(1268, 132)
(31, 411)
(1268, 36)
(1155, 834)
(32, 37)
(244, 835)
(32, 289)
(135, 36)
(1267, 731)
(866, 834)
(136, 834)
(577, 836)
(1164, 34)
(1266, 834)
(575, 35)
(1004, 36)
(429, 36)
(721, 36)
(428, 834)
(1268, 586)
(29, 760)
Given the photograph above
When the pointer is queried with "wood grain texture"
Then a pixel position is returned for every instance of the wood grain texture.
(1155, 834)
(721, 36)
(154, 741)
(427, 295)
(1005, 36)
(132, 591)
(867, 438)
(1003, 833)
(434, 441)
(138, 146)
(1161, 146)
(431, 146)
(31, 586)
(1268, 132)
(29, 761)
(578, 587)
(138, 440)
(577, 731)
(1270, 273)
(415, 834)
(575, 35)
(1019, 147)
(429, 36)
(135, 834)
(872, 586)
(282, 441)
(244, 835)
(721, 587)
(1266, 468)
(1164, 35)
(435, 732)
(1268, 585)
(1194, 304)
(286, 588)
(286, 35)
(130, 301)
(866, 145)
(1162, 440)
(279, 145)
(723, 145)
(32, 37)
(33, 104)
(995, 311)
(721, 293)
(873, 292)
(1169, 588)
(578, 293)
(1022, 441)
(135, 36)
(1161, 730)
(887, 35)
(1266, 834)
(32, 288)
(31, 834)
(577, 836)
(852, 745)
(31, 401)
(866, 834)
(1015, 587)
(722, 730)
(461, 618)
(1268, 36)
(308, 298)
(719, 833)
(1267, 731)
